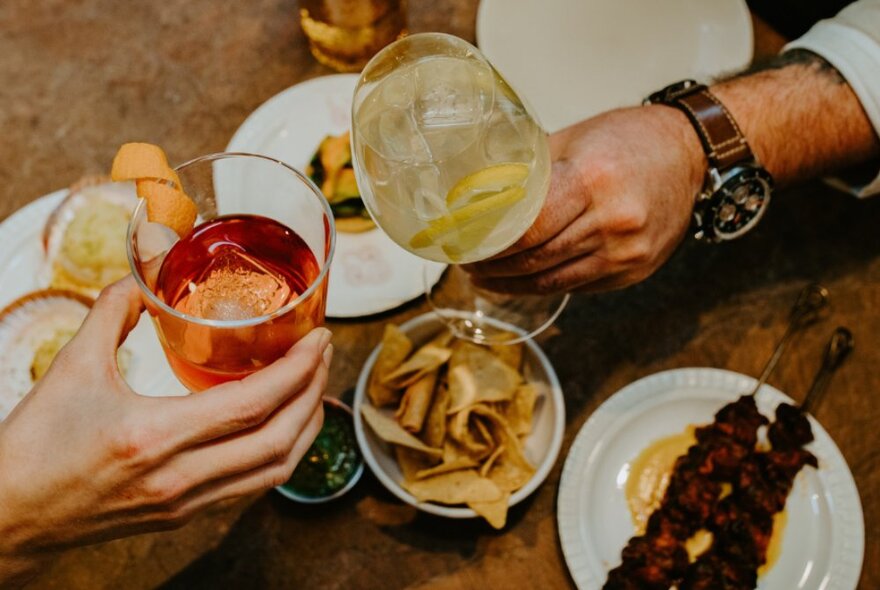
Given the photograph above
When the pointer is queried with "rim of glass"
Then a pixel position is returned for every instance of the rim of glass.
(409, 40)
(325, 205)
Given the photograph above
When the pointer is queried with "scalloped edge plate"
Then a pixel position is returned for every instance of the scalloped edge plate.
(23, 269)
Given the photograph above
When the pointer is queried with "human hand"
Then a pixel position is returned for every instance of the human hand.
(84, 459)
(620, 201)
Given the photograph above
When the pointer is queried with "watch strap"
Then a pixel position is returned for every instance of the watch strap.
(722, 139)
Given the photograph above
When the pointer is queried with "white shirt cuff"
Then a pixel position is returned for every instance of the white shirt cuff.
(856, 55)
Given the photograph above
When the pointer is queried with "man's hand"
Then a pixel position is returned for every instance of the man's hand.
(84, 459)
(624, 182)
(620, 201)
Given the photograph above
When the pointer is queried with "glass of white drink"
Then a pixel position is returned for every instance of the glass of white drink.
(454, 167)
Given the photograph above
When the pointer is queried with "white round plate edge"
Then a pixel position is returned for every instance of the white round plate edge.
(738, 57)
(839, 487)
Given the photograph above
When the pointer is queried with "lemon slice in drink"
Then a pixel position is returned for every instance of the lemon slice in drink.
(491, 179)
(472, 213)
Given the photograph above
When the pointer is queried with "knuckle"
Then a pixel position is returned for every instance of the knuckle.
(531, 261)
(113, 292)
(602, 172)
(134, 443)
(548, 284)
(171, 519)
(638, 253)
(278, 450)
(164, 491)
(631, 218)
(248, 413)
(279, 475)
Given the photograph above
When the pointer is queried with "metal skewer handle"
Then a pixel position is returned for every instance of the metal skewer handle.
(839, 347)
(809, 304)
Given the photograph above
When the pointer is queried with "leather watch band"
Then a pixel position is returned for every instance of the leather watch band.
(721, 137)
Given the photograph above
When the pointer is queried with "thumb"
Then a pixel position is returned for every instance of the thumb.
(115, 313)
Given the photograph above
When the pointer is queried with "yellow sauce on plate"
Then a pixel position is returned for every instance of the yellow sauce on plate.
(649, 475)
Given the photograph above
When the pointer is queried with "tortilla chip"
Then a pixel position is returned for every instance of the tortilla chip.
(443, 339)
(509, 354)
(390, 431)
(395, 348)
(494, 512)
(455, 487)
(483, 432)
(411, 462)
(476, 375)
(428, 358)
(455, 465)
(434, 427)
(453, 450)
(463, 429)
(416, 402)
(511, 469)
(487, 464)
(510, 474)
(502, 433)
(520, 409)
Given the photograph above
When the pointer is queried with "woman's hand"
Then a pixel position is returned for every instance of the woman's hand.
(84, 459)
(620, 201)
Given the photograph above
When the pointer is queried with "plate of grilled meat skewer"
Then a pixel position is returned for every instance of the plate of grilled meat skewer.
(684, 479)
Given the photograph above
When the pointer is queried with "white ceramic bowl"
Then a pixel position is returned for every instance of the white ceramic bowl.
(541, 446)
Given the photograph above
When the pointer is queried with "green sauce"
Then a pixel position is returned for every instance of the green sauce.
(331, 461)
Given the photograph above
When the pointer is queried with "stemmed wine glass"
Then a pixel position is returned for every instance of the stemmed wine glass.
(454, 167)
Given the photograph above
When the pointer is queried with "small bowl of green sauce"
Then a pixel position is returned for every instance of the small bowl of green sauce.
(332, 465)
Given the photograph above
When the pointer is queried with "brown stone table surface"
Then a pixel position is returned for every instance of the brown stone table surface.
(79, 77)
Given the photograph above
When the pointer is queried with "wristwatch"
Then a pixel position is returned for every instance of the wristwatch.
(737, 188)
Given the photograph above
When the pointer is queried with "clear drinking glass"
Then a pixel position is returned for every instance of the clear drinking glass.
(249, 281)
(454, 167)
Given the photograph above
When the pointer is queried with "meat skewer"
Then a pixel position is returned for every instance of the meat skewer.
(743, 521)
(657, 559)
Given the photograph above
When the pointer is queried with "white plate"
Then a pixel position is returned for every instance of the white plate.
(22, 270)
(541, 446)
(370, 273)
(824, 539)
(572, 59)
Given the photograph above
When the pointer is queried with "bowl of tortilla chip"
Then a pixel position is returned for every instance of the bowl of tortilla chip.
(454, 428)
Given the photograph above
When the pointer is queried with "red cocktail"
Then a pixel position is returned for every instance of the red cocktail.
(239, 290)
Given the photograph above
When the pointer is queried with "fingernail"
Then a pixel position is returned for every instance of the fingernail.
(328, 355)
(325, 339)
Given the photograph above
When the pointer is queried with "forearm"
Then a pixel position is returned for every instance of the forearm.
(800, 117)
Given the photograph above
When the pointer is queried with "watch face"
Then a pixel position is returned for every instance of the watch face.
(740, 203)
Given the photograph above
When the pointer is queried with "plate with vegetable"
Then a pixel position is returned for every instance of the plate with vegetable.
(307, 127)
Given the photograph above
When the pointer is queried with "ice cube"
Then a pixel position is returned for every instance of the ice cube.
(452, 99)
(448, 93)
(396, 137)
(510, 137)
(398, 91)
(429, 200)
(235, 286)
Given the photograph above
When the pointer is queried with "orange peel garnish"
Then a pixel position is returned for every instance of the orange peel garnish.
(157, 183)
(168, 205)
(134, 161)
